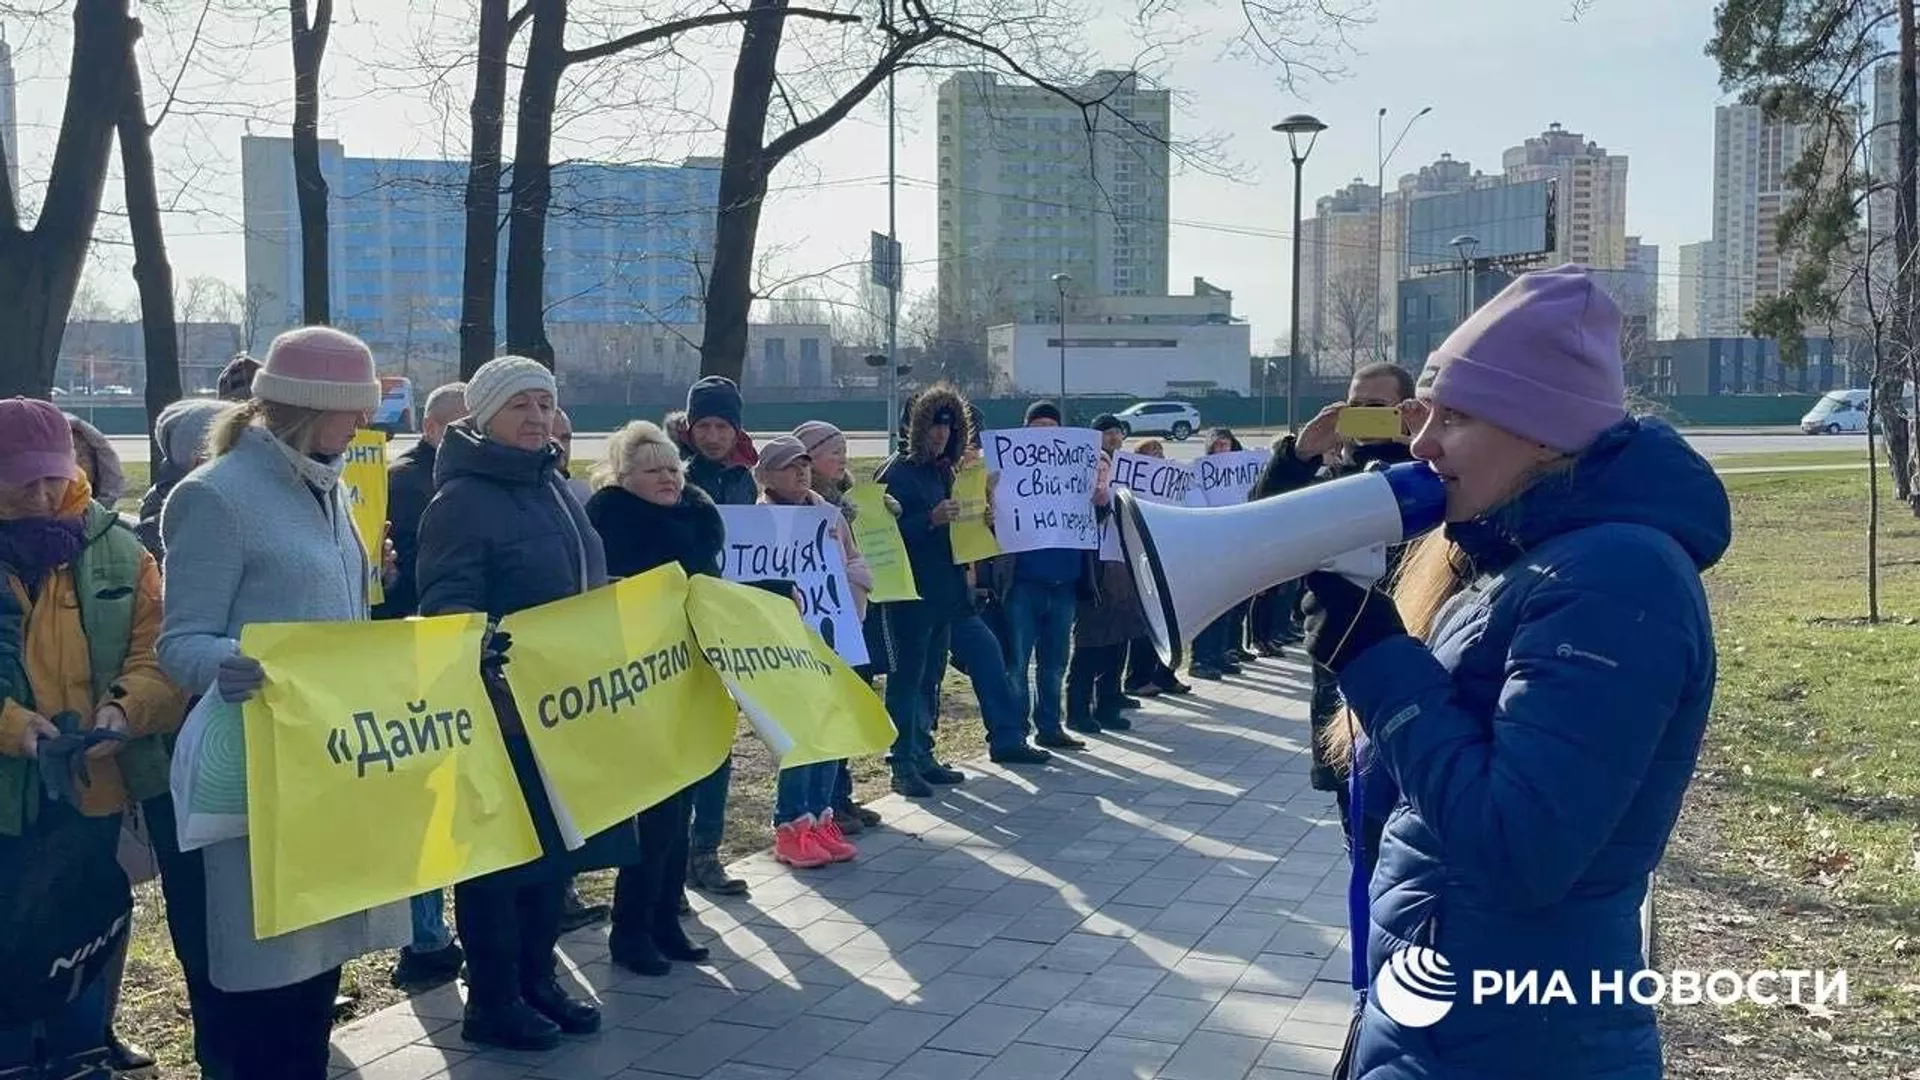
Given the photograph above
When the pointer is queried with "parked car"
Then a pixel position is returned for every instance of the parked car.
(1846, 412)
(1176, 419)
(395, 415)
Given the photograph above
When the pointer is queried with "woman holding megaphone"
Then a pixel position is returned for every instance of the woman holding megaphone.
(1527, 705)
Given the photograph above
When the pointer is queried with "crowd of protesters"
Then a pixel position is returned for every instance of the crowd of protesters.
(1557, 622)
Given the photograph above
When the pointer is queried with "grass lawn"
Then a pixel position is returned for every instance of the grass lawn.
(1853, 454)
(1798, 846)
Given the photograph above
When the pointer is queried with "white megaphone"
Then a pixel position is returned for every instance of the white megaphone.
(1190, 566)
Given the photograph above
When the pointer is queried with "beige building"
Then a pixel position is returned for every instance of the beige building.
(1590, 195)
(1027, 191)
(1744, 264)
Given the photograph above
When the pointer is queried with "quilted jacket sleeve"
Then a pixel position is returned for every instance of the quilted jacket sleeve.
(1604, 650)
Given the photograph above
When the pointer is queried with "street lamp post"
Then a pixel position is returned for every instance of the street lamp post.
(1060, 282)
(1465, 244)
(1380, 216)
(1293, 127)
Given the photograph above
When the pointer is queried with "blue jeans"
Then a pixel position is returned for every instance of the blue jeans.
(709, 802)
(921, 640)
(803, 790)
(1040, 619)
(430, 932)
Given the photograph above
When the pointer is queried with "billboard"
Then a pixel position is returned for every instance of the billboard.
(1508, 219)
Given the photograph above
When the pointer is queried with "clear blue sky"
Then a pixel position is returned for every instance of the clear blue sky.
(1630, 74)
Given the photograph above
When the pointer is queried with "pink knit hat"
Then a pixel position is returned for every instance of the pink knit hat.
(35, 442)
(319, 368)
(1541, 360)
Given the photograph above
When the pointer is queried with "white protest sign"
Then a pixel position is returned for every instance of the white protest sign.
(798, 544)
(1154, 480)
(1227, 479)
(1043, 494)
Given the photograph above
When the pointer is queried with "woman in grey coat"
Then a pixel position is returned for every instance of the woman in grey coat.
(263, 534)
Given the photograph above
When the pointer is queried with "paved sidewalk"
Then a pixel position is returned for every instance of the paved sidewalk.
(1169, 903)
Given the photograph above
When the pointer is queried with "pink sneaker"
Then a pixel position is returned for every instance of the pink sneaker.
(828, 834)
(795, 845)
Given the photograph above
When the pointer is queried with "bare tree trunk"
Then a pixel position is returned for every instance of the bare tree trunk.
(477, 334)
(152, 272)
(743, 191)
(1892, 392)
(533, 183)
(309, 48)
(40, 269)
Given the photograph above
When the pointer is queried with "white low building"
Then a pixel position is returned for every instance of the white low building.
(1136, 346)
(1135, 360)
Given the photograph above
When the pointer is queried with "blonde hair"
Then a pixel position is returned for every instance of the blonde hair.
(290, 424)
(638, 446)
(1432, 572)
(1151, 448)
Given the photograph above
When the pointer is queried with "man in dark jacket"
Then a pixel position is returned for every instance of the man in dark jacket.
(1317, 453)
(919, 632)
(432, 958)
(714, 425)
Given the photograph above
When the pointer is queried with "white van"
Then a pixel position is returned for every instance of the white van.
(1846, 412)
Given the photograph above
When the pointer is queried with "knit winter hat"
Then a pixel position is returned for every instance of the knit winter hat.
(319, 368)
(498, 380)
(236, 379)
(1043, 410)
(778, 453)
(1541, 360)
(35, 443)
(815, 434)
(715, 396)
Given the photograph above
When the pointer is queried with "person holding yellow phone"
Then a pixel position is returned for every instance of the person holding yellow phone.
(1343, 438)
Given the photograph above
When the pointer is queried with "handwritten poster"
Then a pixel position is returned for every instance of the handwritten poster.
(972, 540)
(1043, 489)
(877, 536)
(800, 544)
(1226, 479)
(1154, 480)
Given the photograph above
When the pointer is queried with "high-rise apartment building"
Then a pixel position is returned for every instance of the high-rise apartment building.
(1028, 190)
(1354, 254)
(1690, 314)
(624, 243)
(9, 117)
(1590, 195)
(1752, 156)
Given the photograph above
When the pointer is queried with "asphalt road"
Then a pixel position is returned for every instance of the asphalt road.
(1709, 442)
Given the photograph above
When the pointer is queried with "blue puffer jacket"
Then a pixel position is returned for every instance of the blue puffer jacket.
(1541, 743)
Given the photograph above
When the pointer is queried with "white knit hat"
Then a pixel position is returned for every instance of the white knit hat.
(498, 380)
(319, 368)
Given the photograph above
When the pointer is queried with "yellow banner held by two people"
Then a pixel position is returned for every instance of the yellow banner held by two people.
(619, 704)
(972, 539)
(365, 478)
(375, 769)
(803, 701)
(877, 536)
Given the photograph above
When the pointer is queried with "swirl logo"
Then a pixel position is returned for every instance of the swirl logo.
(1415, 987)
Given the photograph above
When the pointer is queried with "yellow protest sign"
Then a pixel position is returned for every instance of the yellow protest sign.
(803, 701)
(365, 478)
(620, 706)
(375, 768)
(972, 540)
(877, 536)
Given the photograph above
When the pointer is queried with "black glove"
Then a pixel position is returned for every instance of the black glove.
(493, 653)
(239, 678)
(63, 760)
(1356, 620)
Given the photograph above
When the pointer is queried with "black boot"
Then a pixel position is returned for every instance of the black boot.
(509, 1025)
(671, 939)
(573, 1015)
(911, 785)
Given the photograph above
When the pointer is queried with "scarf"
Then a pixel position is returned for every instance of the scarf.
(36, 546)
(835, 493)
(320, 474)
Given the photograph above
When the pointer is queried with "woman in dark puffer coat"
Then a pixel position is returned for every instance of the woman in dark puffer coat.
(503, 534)
(647, 516)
